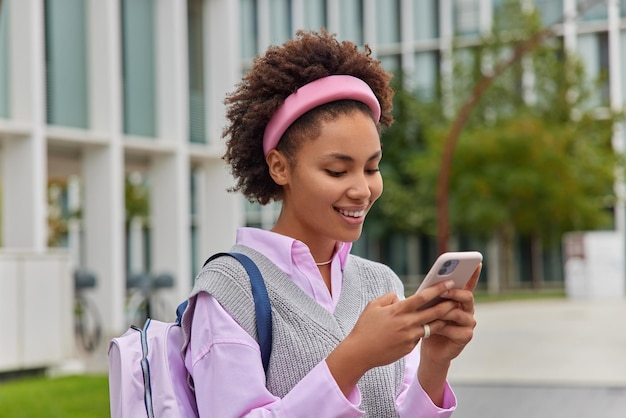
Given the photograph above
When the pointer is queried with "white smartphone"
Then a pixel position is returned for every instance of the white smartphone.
(457, 266)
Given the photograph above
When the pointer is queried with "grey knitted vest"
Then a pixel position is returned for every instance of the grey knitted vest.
(304, 333)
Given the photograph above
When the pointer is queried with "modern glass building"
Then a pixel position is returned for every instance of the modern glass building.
(94, 92)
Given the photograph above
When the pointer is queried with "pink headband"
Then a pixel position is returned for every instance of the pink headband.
(317, 93)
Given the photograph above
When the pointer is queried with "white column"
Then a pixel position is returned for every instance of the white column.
(406, 39)
(104, 87)
(219, 212)
(297, 16)
(485, 20)
(615, 62)
(136, 247)
(445, 45)
(222, 52)
(74, 224)
(369, 25)
(169, 172)
(24, 157)
(494, 254)
(170, 221)
(617, 102)
(569, 25)
(171, 71)
(103, 167)
(332, 15)
(103, 218)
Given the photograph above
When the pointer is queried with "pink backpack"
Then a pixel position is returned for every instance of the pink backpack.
(147, 374)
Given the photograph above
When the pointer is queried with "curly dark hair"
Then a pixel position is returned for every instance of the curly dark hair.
(274, 76)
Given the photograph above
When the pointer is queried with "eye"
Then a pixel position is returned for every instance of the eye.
(335, 173)
(372, 170)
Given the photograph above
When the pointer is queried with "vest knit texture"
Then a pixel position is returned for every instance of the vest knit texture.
(303, 332)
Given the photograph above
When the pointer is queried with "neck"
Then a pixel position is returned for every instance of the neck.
(322, 249)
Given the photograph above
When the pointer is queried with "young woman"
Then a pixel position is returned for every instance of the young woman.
(303, 129)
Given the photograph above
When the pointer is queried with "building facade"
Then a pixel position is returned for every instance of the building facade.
(96, 92)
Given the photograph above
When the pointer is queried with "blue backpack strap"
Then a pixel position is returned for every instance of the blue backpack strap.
(262, 305)
(180, 311)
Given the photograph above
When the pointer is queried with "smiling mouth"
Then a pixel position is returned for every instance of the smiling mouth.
(352, 214)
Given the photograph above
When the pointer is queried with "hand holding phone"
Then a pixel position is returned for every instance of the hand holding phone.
(456, 266)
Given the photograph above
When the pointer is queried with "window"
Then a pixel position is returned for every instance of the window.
(351, 21)
(623, 65)
(426, 74)
(263, 217)
(466, 17)
(593, 49)
(391, 63)
(603, 58)
(137, 222)
(280, 21)
(4, 61)
(315, 14)
(249, 29)
(596, 12)
(551, 11)
(138, 67)
(195, 29)
(58, 213)
(388, 21)
(425, 19)
(66, 63)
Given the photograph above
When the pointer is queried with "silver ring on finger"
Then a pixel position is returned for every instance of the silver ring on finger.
(426, 330)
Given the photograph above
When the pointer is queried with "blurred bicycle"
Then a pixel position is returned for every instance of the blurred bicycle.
(87, 320)
(143, 300)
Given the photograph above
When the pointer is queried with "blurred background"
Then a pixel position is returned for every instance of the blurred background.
(508, 139)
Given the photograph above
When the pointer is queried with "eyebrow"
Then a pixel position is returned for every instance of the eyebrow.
(347, 158)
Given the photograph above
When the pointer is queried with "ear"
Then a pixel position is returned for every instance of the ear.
(278, 166)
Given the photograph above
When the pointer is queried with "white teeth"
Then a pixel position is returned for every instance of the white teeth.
(352, 213)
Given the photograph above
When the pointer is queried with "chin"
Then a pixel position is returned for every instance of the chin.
(351, 237)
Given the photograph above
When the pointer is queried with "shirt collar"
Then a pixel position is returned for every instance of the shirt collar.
(281, 249)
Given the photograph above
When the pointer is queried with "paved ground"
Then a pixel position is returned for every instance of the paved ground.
(536, 359)
(516, 401)
(544, 359)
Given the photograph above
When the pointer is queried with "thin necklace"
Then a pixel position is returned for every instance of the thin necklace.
(323, 263)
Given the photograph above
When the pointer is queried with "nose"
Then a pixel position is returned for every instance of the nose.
(360, 188)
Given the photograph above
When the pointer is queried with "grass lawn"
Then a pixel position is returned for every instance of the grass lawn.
(60, 397)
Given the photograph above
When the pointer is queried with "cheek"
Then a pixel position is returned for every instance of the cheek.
(376, 188)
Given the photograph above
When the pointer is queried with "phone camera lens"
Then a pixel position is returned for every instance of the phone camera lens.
(447, 263)
(442, 271)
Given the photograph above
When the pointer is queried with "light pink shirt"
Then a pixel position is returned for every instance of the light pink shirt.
(225, 363)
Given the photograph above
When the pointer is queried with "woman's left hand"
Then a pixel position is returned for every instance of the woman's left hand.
(454, 330)
(449, 334)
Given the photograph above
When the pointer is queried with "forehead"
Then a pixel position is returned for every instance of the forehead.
(353, 135)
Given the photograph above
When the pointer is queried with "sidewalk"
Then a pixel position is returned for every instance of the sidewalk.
(534, 359)
(554, 342)
(544, 359)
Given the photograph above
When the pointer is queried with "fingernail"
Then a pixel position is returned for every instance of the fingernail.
(449, 284)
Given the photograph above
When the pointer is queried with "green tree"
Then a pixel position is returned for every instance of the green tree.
(531, 161)
(407, 204)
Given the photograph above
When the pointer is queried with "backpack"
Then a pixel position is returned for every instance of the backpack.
(147, 374)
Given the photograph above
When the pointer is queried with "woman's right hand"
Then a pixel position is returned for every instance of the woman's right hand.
(387, 330)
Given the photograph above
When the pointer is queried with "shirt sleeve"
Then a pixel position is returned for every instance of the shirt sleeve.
(413, 401)
(225, 364)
